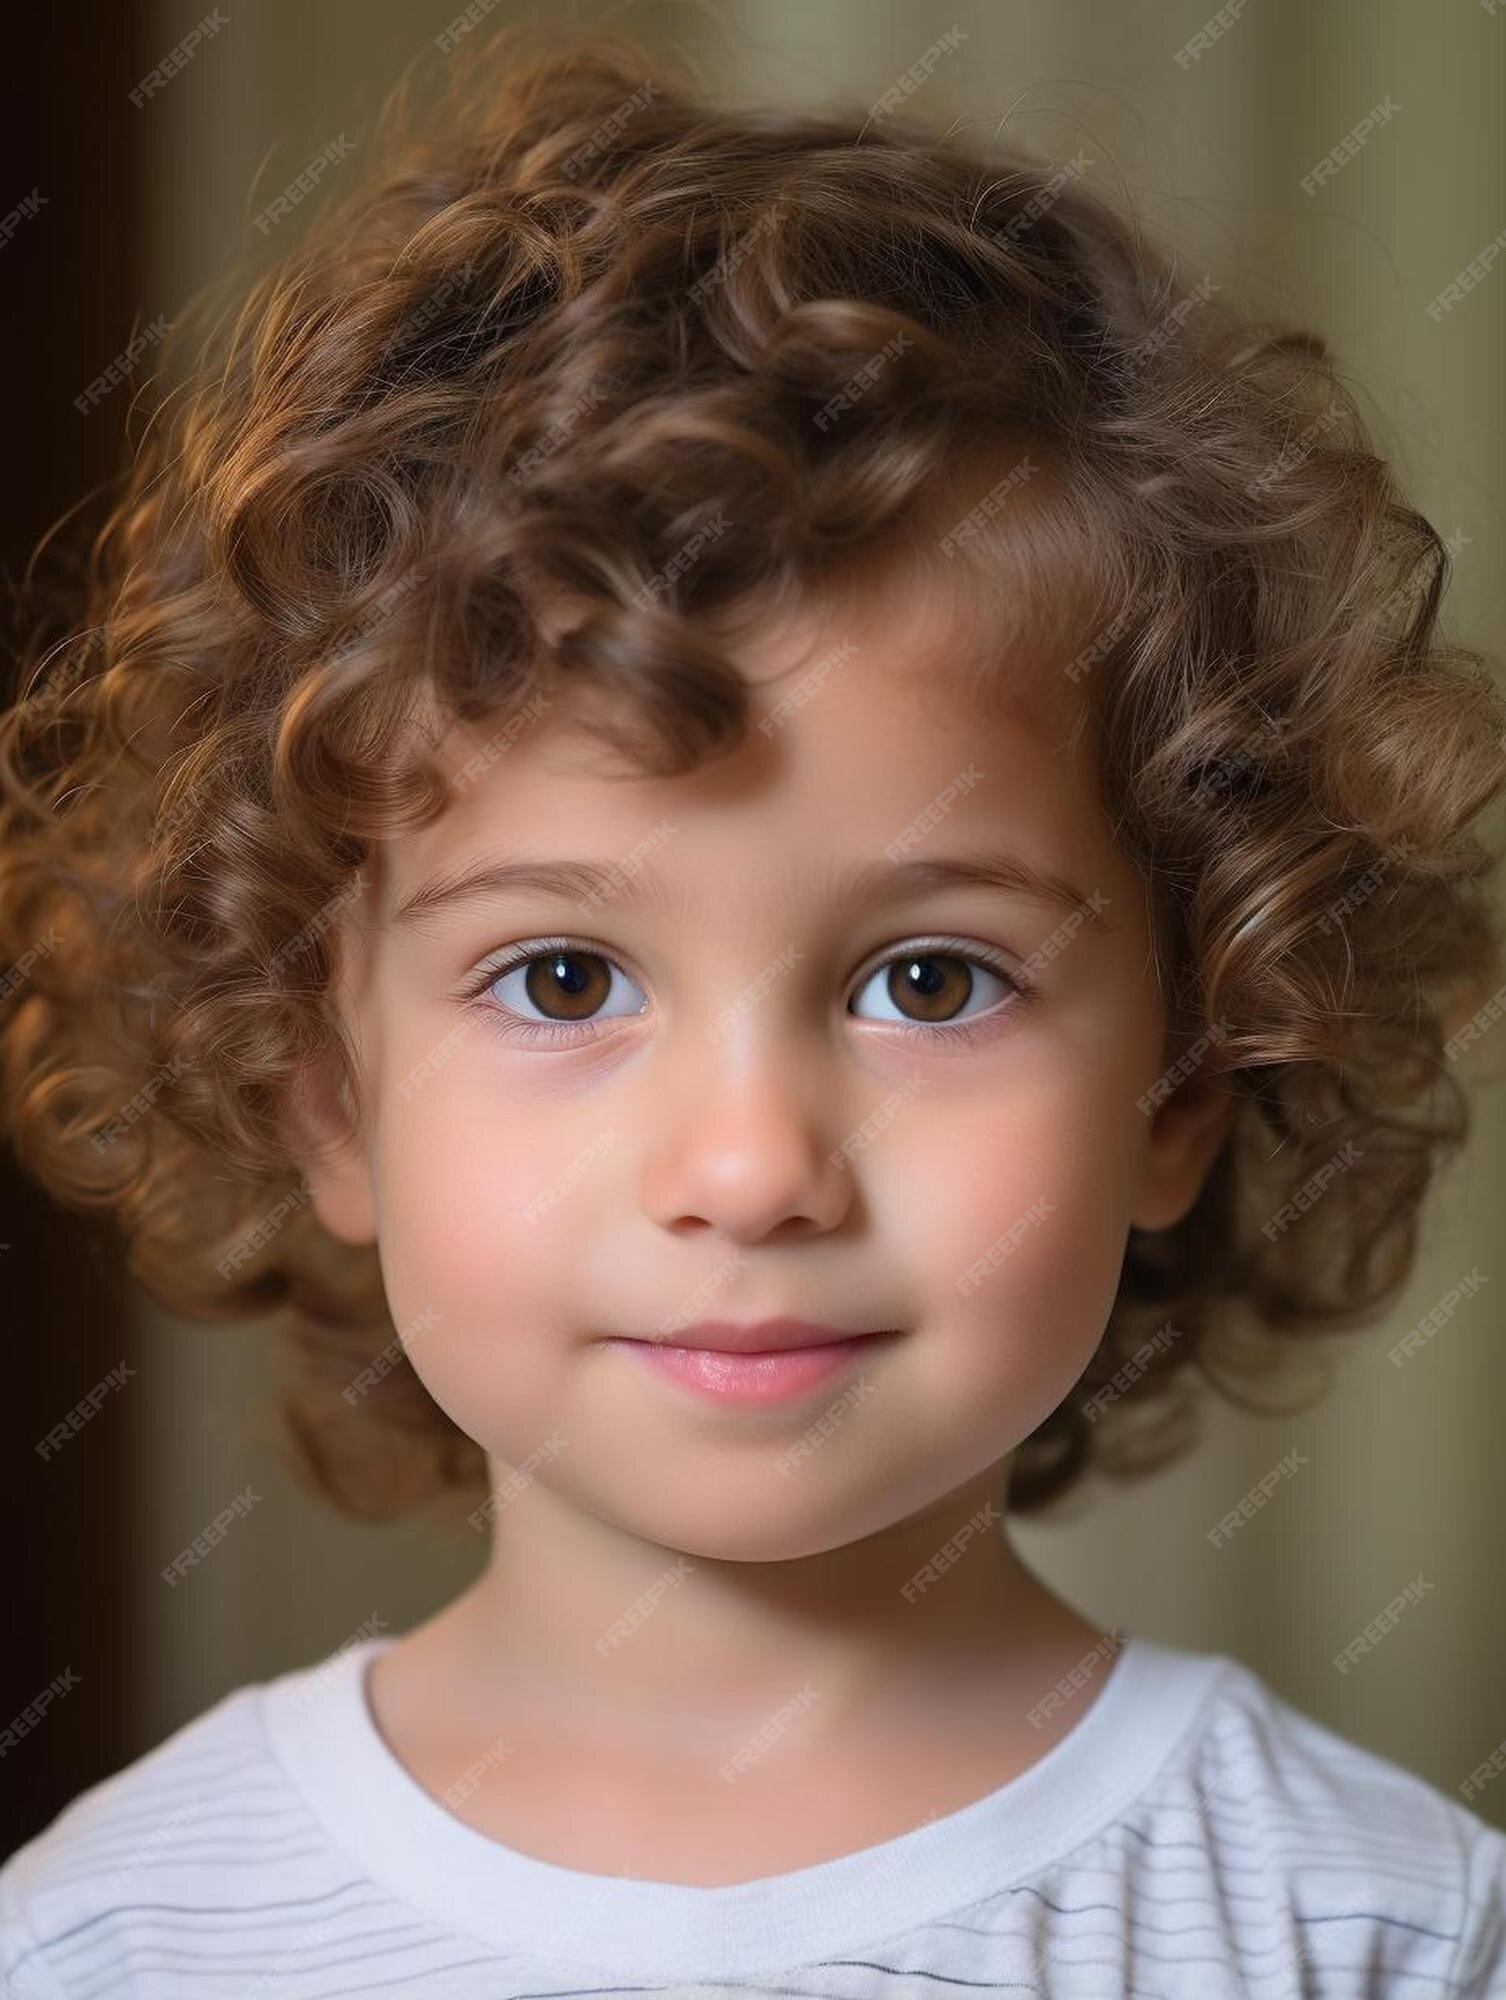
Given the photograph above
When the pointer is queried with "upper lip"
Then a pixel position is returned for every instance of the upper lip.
(761, 1336)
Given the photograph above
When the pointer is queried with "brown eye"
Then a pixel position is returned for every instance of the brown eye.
(931, 987)
(571, 984)
(561, 985)
(928, 987)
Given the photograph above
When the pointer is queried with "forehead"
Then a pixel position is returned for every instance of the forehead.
(927, 675)
(975, 605)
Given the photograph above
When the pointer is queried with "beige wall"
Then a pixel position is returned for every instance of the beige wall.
(1404, 1467)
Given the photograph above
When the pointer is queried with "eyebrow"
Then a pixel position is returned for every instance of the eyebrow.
(591, 881)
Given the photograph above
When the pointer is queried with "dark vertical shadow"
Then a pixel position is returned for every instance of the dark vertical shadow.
(71, 149)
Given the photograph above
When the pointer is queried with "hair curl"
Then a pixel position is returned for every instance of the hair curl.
(578, 315)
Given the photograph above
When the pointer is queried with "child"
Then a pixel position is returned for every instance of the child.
(740, 795)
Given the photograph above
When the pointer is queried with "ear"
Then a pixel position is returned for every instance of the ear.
(1189, 1124)
(323, 1130)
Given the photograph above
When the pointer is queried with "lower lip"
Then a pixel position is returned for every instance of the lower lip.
(757, 1379)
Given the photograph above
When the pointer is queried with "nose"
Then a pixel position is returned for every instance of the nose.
(747, 1149)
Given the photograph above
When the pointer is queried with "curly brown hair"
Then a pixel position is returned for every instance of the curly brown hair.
(571, 317)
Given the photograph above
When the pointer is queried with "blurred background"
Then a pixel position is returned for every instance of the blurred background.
(1214, 125)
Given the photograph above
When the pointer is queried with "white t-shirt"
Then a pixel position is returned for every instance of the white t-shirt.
(1191, 1835)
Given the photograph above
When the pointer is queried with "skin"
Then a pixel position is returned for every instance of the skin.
(693, 1173)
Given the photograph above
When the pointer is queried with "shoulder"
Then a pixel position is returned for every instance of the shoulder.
(1365, 1863)
(194, 1820)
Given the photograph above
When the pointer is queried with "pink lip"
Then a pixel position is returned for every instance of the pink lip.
(752, 1377)
(758, 1336)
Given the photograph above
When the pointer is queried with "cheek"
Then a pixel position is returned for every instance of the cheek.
(1016, 1233)
(474, 1180)
(477, 1215)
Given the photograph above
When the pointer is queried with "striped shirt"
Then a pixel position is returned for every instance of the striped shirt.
(1190, 1835)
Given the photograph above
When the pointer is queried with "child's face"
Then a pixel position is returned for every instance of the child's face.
(750, 1124)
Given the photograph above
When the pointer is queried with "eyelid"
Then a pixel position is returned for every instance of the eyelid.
(959, 1033)
(1005, 964)
(511, 956)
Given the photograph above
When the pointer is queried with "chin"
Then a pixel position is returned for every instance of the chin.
(754, 1529)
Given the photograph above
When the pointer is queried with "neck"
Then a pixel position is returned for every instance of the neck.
(923, 1625)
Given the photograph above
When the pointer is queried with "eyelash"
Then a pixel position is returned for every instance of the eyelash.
(517, 1029)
